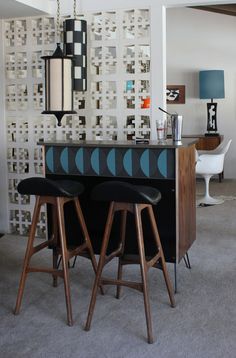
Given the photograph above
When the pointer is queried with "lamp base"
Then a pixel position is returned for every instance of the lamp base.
(211, 134)
(211, 117)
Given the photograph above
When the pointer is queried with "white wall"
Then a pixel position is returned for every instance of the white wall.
(199, 40)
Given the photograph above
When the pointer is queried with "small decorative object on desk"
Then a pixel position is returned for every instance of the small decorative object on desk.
(176, 125)
(162, 130)
(141, 140)
(176, 122)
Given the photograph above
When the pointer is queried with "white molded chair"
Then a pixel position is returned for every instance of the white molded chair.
(209, 163)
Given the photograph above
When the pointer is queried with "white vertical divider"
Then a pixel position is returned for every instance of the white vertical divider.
(4, 207)
(158, 65)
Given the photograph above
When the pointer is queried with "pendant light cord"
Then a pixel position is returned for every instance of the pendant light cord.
(58, 21)
(74, 9)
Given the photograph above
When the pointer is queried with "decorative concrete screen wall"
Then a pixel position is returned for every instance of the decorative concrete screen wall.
(115, 106)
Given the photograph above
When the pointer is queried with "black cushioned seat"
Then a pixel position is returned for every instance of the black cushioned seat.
(126, 193)
(47, 187)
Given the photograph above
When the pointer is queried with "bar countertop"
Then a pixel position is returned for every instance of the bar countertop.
(169, 143)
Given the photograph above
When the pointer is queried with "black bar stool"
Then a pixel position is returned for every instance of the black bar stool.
(56, 193)
(125, 197)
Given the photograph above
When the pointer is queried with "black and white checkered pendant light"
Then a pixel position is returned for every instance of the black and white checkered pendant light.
(75, 44)
(58, 84)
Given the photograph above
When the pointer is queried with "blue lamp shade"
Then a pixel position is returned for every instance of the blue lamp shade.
(211, 84)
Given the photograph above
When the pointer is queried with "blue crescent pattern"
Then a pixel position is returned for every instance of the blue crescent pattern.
(111, 161)
(95, 160)
(50, 159)
(162, 163)
(127, 162)
(64, 160)
(79, 160)
(144, 163)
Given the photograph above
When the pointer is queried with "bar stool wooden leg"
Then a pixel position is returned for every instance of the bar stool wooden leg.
(86, 237)
(28, 254)
(101, 263)
(163, 262)
(85, 233)
(143, 268)
(120, 266)
(65, 258)
(55, 244)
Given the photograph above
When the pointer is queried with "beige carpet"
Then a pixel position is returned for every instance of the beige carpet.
(201, 326)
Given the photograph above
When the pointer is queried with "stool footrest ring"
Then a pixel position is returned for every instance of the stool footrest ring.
(109, 281)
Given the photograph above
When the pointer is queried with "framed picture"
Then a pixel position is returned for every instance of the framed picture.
(175, 94)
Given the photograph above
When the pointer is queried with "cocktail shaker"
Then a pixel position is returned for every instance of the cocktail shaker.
(176, 124)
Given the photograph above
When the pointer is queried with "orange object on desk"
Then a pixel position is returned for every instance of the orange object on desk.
(145, 102)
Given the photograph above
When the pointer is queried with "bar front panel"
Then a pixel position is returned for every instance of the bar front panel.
(141, 166)
(111, 161)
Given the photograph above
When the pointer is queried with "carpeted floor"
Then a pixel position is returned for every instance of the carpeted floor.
(203, 324)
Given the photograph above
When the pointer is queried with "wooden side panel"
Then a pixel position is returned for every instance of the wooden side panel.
(186, 209)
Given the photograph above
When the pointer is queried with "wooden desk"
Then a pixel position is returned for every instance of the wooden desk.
(168, 167)
(208, 142)
(204, 142)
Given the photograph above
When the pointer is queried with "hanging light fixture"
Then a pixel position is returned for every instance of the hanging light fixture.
(75, 44)
(58, 80)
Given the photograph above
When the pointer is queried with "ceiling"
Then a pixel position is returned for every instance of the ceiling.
(226, 9)
(12, 8)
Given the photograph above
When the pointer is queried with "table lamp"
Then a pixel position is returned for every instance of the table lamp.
(211, 86)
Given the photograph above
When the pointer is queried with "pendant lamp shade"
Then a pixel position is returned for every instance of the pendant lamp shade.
(75, 44)
(58, 84)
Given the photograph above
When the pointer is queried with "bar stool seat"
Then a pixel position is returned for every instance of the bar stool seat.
(47, 187)
(125, 197)
(126, 193)
(56, 194)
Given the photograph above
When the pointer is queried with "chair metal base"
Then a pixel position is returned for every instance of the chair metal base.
(208, 200)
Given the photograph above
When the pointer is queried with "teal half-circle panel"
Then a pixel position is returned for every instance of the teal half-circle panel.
(162, 163)
(127, 162)
(64, 160)
(49, 159)
(144, 163)
(79, 160)
(95, 160)
(111, 161)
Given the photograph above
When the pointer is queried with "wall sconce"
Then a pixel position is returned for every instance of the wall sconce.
(58, 80)
(211, 85)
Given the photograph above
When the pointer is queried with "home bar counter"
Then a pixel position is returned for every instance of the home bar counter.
(169, 167)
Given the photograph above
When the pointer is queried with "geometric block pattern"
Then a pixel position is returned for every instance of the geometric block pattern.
(119, 50)
(75, 44)
(111, 108)
(110, 161)
(25, 41)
